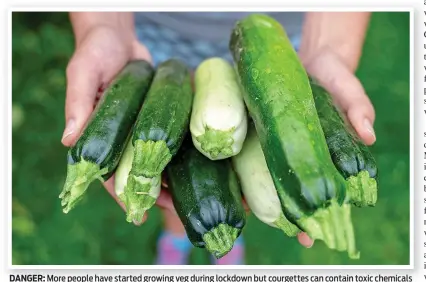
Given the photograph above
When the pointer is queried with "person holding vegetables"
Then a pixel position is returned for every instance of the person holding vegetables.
(106, 42)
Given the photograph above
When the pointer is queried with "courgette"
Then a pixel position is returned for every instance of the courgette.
(98, 150)
(257, 185)
(207, 199)
(142, 192)
(278, 96)
(350, 155)
(163, 120)
(219, 120)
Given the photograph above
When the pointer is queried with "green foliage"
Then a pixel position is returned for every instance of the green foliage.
(42, 44)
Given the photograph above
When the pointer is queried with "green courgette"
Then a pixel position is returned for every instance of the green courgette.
(141, 194)
(163, 120)
(219, 120)
(207, 199)
(279, 99)
(257, 185)
(98, 150)
(350, 155)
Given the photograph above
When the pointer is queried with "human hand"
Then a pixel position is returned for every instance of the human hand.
(101, 52)
(346, 90)
(331, 56)
(97, 59)
(338, 78)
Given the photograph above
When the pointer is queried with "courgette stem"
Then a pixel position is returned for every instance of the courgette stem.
(217, 142)
(362, 189)
(79, 177)
(137, 193)
(150, 158)
(138, 196)
(286, 226)
(220, 240)
(333, 225)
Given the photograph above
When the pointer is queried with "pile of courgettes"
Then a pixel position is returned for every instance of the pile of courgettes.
(261, 130)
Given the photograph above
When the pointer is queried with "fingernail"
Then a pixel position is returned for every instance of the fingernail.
(69, 129)
(369, 127)
(305, 240)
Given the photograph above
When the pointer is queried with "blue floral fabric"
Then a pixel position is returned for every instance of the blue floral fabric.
(164, 43)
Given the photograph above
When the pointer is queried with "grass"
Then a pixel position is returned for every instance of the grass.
(96, 232)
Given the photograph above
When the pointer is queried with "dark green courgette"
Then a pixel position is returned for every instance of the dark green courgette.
(350, 155)
(163, 120)
(207, 198)
(97, 152)
(279, 99)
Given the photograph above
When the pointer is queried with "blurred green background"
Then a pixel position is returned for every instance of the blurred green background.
(97, 233)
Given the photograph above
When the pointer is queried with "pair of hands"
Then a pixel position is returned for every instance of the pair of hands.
(103, 51)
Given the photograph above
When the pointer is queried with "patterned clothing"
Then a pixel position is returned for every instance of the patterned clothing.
(175, 250)
(172, 35)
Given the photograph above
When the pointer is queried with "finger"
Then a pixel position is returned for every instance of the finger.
(304, 240)
(347, 92)
(246, 207)
(89, 72)
(144, 219)
(101, 90)
(360, 120)
(117, 61)
(164, 180)
(109, 186)
(164, 201)
(83, 81)
(140, 52)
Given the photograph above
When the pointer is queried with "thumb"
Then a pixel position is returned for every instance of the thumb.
(347, 92)
(83, 81)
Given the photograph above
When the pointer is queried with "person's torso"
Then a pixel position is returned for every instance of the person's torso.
(213, 26)
(195, 36)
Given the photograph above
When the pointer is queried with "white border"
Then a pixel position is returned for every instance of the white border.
(412, 160)
(250, 8)
(195, 8)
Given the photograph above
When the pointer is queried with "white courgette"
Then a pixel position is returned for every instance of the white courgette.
(258, 187)
(219, 119)
(138, 194)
